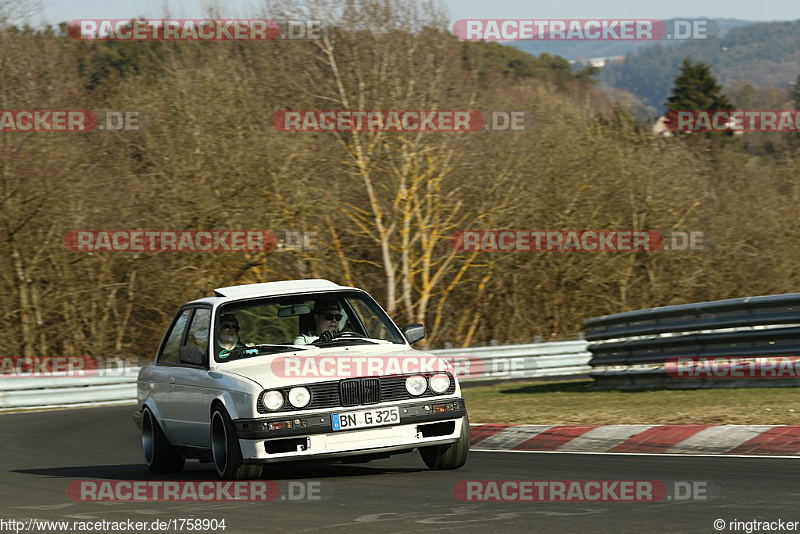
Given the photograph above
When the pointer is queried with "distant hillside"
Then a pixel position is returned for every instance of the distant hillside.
(494, 58)
(589, 49)
(763, 55)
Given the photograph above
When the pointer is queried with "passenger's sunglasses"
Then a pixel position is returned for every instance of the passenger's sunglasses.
(234, 327)
(332, 316)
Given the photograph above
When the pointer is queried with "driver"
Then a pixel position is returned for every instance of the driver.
(327, 314)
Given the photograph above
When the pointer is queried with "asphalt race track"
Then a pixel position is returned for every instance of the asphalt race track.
(44, 451)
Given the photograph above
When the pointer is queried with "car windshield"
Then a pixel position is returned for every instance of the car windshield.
(282, 324)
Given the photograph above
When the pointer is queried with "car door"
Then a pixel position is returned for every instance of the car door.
(191, 395)
(162, 378)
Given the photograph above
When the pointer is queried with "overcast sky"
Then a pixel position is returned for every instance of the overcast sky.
(65, 10)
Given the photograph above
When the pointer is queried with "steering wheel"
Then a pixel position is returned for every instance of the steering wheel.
(343, 333)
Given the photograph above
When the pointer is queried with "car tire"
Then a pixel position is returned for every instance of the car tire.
(225, 449)
(159, 454)
(451, 455)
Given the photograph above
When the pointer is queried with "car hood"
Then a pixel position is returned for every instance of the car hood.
(326, 364)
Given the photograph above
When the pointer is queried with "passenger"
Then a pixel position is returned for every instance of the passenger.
(228, 333)
(327, 314)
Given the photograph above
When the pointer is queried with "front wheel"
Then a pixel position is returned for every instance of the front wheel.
(450, 455)
(159, 454)
(226, 451)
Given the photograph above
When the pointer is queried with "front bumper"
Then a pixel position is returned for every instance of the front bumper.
(422, 423)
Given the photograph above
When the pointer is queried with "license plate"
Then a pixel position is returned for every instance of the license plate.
(365, 418)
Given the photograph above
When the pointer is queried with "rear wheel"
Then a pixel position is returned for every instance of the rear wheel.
(226, 451)
(450, 455)
(159, 454)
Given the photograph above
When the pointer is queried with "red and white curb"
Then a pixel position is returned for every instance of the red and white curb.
(758, 440)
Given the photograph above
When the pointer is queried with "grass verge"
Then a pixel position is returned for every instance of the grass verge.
(572, 402)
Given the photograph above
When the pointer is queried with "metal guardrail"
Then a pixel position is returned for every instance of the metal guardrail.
(471, 364)
(105, 386)
(562, 358)
(629, 349)
(714, 315)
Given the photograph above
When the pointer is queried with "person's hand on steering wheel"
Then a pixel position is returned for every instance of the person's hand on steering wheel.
(326, 337)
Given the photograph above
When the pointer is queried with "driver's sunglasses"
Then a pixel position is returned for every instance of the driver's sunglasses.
(332, 316)
(234, 327)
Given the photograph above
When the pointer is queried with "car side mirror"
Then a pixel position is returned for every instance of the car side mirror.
(192, 355)
(413, 332)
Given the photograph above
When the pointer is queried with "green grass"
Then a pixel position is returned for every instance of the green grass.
(573, 402)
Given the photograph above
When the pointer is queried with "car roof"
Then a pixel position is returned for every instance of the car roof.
(269, 289)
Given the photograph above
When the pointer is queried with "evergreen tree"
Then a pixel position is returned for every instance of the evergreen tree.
(696, 89)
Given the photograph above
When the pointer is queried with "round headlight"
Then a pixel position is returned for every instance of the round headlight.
(272, 400)
(299, 397)
(416, 385)
(440, 382)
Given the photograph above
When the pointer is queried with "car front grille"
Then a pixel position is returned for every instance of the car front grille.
(322, 395)
(370, 390)
(355, 392)
(348, 392)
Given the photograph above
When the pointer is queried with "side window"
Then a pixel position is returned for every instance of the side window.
(198, 331)
(170, 352)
